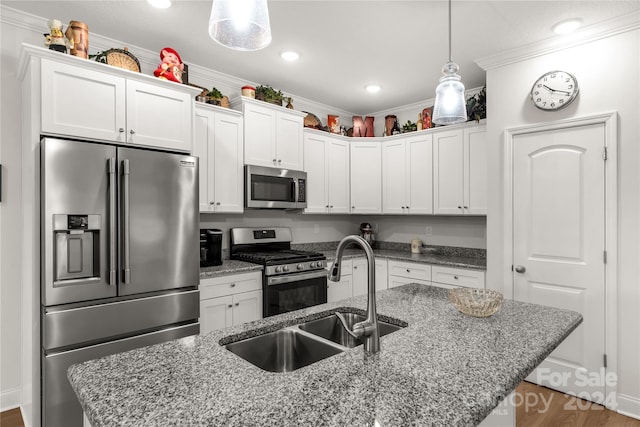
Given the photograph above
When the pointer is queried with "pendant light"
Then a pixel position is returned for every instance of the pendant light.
(450, 107)
(240, 24)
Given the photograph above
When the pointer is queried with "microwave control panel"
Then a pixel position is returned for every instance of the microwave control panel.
(302, 190)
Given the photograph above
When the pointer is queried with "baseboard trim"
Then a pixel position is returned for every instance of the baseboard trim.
(10, 399)
(629, 406)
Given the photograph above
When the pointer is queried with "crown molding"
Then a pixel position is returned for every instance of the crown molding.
(605, 29)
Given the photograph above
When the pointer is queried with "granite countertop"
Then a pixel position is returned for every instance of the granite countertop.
(427, 258)
(443, 369)
(229, 266)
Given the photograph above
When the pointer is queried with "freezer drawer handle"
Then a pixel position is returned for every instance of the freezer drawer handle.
(111, 166)
(126, 268)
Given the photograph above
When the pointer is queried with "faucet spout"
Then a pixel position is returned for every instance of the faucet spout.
(368, 328)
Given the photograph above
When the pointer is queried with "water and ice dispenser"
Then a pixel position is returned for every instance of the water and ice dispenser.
(76, 249)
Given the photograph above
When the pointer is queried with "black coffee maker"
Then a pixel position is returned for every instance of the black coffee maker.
(210, 247)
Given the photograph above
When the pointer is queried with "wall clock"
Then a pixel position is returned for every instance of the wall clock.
(554, 90)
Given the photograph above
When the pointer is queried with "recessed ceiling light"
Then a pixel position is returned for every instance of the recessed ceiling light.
(372, 88)
(160, 4)
(568, 26)
(289, 55)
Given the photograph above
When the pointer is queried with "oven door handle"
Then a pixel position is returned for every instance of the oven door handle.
(288, 278)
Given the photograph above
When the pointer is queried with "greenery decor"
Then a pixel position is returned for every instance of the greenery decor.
(477, 105)
(214, 94)
(269, 94)
(409, 127)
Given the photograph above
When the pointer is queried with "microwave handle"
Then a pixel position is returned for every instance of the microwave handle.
(295, 190)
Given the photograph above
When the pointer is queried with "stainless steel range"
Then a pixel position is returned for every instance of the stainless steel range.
(292, 279)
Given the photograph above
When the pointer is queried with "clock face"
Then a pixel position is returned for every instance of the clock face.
(554, 90)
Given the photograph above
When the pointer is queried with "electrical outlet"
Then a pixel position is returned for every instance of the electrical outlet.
(316, 228)
(428, 231)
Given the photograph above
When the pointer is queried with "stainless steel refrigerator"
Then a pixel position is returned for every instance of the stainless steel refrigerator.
(119, 258)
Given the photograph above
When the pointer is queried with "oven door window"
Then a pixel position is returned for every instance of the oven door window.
(294, 295)
(272, 188)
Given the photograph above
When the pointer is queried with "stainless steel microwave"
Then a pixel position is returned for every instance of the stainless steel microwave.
(274, 188)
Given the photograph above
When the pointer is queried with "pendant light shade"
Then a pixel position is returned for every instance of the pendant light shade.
(240, 24)
(449, 107)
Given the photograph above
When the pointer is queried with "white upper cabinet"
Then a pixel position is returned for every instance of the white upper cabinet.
(459, 172)
(272, 135)
(366, 176)
(94, 101)
(218, 144)
(326, 161)
(407, 180)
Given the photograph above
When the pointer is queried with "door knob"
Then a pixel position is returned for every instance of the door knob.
(520, 269)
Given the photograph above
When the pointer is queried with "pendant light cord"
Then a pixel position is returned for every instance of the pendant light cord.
(450, 31)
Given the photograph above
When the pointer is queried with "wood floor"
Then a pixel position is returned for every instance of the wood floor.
(537, 407)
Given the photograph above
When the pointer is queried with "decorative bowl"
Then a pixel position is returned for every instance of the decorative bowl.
(476, 302)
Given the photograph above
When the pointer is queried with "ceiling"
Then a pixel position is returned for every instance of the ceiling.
(344, 45)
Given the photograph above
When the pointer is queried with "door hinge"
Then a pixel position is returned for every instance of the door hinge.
(604, 256)
(605, 155)
(604, 360)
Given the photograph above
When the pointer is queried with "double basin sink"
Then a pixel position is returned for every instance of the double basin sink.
(297, 346)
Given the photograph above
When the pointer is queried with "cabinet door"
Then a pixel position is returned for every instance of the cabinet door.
(82, 103)
(448, 166)
(337, 291)
(420, 169)
(203, 148)
(366, 177)
(247, 307)
(159, 116)
(315, 164)
(289, 141)
(475, 171)
(216, 313)
(360, 276)
(394, 176)
(259, 136)
(228, 175)
(337, 160)
(381, 275)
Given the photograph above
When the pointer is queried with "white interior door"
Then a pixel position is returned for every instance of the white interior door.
(558, 246)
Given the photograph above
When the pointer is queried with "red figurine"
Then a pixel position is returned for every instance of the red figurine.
(171, 67)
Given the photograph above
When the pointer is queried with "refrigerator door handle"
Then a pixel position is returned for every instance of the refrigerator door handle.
(126, 255)
(111, 166)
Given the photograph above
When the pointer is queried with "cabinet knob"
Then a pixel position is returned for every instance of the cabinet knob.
(407, 207)
(121, 130)
(331, 206)
(218, 203)
(455, 277)
(466, 207)
(353, 207)
(459, 207)
(355, 267)
(230, 305)
(327, 206)
(212, 203)
(408, 271)
(237, 304)
(132, 132)
(279, 161)
(275, 161)
(233, 285)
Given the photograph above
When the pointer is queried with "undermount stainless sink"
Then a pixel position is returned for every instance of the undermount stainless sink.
(330, 328)
(283, 351)
(294, 347)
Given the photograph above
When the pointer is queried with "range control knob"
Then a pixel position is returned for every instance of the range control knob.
(300, 266)
(312, 264)
(278, 269)
(320, 264)
(285, 268)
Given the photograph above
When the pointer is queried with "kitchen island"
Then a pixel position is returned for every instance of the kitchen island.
(443, 369)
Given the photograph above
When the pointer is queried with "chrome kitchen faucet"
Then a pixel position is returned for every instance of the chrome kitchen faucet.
(367, 328)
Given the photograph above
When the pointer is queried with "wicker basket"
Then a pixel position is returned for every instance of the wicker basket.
(476, 302)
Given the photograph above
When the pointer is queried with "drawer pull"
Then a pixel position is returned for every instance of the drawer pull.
(230, 305)
(408, 271)
(455, 277)
(237, 304)
(233, 285)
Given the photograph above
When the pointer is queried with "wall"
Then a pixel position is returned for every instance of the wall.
(607, 70)
(446, 231)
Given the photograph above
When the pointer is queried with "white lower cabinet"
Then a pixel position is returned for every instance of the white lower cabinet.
(230, 300)
(456, 277)
(360, 275)
(343, 288)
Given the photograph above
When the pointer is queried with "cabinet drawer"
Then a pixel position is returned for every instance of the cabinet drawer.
(395, 281)
(457, 277)
(230, 285)
(410, 270)
(347, 267)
